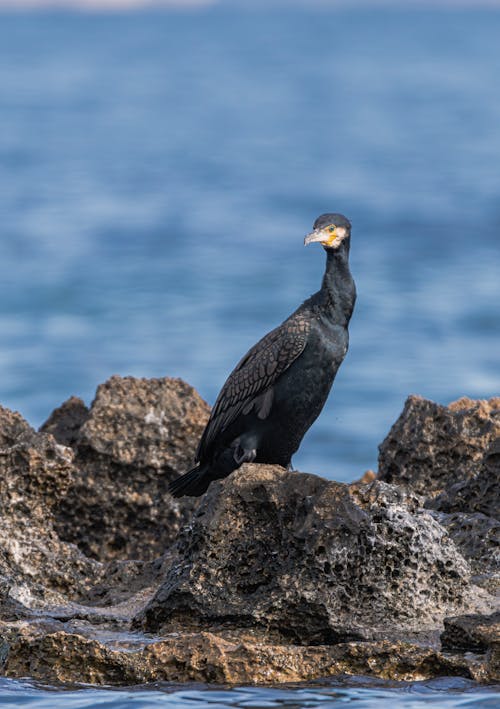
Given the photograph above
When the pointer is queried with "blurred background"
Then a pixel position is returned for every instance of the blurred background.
(160, 164)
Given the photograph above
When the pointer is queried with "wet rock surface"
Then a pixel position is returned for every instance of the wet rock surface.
(208, 657)
(272, 577)
(475, 634)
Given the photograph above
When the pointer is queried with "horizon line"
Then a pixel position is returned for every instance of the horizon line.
(128, 5)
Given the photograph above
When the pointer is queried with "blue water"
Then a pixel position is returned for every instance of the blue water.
(158, 171)
(362, 693)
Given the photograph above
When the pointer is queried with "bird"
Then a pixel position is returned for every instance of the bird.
(278, 389)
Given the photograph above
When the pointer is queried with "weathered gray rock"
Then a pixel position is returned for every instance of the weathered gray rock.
(36, 567)
(431, 447)
(478, 539)
(477, 494)
(65, 422)
(52, 495)
(470, 511)
(138, 435)
(145, 423)
(311, 560)
(275, 576)
(471, 632)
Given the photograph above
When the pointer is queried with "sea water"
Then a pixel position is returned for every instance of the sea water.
(158, 171)
(361, 692)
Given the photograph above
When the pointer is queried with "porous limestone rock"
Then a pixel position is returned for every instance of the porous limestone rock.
(36, 567)
(478, 539)
(471, 632)
(470, 511)
(62, 656)
(311, 560)
(431, 447)
(275, 577)
(137, 436)
(478, 494)
(65, 422)
(145, 423)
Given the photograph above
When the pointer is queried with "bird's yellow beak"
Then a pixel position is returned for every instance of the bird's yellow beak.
(325, 236)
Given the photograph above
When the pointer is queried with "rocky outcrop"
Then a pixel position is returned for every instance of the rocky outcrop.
(62, 656)
(137, 436)
(478, 539)
(478, 494)
(311, 560)
(144, 423)
(433, 447)
(273, 576)
(92, 486)
(476, 633)
(36, 566)
(451, 456)
(65, 422)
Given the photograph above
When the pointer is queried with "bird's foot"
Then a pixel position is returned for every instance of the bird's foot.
(244, 455)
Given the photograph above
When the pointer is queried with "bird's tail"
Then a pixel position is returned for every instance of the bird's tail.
(192, 483)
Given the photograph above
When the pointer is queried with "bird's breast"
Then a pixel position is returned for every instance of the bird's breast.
(299, 394)
(307, 383)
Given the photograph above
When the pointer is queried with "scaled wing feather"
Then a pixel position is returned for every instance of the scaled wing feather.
(249, 384)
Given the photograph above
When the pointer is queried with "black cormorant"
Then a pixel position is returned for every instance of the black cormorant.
(278, 389)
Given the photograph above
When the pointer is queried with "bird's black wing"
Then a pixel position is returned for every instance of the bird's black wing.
(249, 386)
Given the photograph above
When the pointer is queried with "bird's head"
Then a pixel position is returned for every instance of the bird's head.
(330, 230)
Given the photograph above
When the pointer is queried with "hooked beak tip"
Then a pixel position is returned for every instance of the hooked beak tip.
(313, 237)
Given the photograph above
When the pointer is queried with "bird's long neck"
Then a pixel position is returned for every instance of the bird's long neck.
(338, 293)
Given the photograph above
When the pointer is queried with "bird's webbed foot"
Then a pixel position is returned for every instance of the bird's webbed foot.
(244, 455)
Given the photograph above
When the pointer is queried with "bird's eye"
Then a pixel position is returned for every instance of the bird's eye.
(331, 229)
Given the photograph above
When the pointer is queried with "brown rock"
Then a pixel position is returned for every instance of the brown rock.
(138, 435)
(477, 494)
(65, 657)
(311, 560)
(368, 477)
(145, 423)
(277, 577)
(65, 422)
(35, 471)
(478, 539)
(432, 446)
(492, 669)
(35, 474)
(471, 632)
(208, 657)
